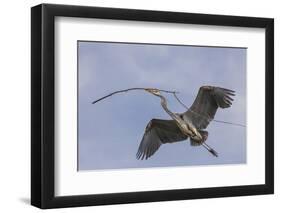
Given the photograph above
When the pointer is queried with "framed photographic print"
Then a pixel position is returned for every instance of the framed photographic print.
(139, 106)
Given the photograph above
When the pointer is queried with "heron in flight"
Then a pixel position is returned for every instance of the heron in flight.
(190, 124)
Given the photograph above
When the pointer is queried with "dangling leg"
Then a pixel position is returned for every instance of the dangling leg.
(211, 150)
(202, 142)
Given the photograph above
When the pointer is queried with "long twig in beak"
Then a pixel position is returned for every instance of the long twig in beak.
(130, 89)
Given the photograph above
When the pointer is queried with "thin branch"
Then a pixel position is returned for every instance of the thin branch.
(127, 90)
(167, 91)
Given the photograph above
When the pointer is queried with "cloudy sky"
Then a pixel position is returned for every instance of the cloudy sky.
(110, 131)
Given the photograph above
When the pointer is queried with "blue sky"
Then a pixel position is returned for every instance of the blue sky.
(110, 131)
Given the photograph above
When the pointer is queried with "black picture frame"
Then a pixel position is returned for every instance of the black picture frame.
(43, 102)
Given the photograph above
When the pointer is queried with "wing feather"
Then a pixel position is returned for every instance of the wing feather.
(206, 103)
(158, 132)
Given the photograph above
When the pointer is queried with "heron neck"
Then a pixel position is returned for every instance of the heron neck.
(164, 105)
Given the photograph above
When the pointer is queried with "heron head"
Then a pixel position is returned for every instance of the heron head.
(153, 91)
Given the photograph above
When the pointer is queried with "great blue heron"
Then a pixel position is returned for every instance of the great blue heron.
(190, 124)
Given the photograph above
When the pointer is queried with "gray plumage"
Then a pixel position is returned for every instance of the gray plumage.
(190, 124)
(158, 132)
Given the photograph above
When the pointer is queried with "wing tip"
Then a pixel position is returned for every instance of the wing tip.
(208, 87)
(141, 156)
(228, 91)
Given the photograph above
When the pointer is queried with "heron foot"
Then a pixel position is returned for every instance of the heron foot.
(214, 152)
(210, 149)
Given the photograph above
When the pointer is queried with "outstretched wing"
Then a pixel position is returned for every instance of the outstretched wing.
(158, 132)
(205, 106)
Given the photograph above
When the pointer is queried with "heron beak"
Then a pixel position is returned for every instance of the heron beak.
(153, 91)
(149, 90)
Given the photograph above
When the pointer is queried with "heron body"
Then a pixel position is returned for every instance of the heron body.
(190, 124)
(186, 127)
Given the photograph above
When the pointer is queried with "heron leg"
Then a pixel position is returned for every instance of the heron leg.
(205, 135)
(211, 150)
